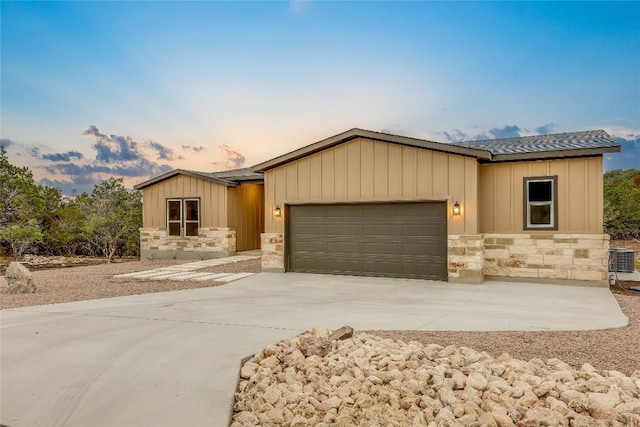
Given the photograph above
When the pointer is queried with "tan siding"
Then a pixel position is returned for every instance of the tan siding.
(409, 172)
(365, 170)
(486, 201)
(353, 170)
(425, 173)
(291, 171)
(270, 201)
(328, 178)
(212, 201)
(394, 171)
(246, 214)
(303, 178)
(470, 195)
(315, 177)
(579, 194)
(380, 179)
(340, 164)
(440, 166)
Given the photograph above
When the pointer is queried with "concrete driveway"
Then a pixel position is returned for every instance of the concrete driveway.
(171, 359)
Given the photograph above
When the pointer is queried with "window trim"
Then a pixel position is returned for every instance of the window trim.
(183, 215)
(554, 203)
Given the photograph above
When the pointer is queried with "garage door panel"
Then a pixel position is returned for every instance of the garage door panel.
(344, 229)
(381, 229)
(382, 239)
(344, 247)
(426, 230)
(308, 246)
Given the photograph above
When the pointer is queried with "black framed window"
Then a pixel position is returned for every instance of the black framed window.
(540, 203)
(183, 217)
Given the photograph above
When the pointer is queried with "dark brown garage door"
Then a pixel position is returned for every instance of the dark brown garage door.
(373, 239)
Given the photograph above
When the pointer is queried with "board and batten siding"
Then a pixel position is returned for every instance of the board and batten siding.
(579, 195)
(213, 201)
(246, 214)
(364, 170)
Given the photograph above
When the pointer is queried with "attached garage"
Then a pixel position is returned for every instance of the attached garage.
(402, 239)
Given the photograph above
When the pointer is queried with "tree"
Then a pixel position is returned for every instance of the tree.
(20, 197)
(66, 229)
(20, 237)
(622, 203)
(115, 215)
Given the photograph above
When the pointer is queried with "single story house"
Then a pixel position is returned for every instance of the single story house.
(199, 215)
(375, 204)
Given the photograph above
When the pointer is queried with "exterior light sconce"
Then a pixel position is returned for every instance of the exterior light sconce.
(277, 211)
(456, 208)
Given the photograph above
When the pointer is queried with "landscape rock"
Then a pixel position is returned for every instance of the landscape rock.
(341, 334)
(20, 279)
(315, 380)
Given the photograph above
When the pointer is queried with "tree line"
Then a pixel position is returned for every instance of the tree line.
(39, 219)
(622, 204)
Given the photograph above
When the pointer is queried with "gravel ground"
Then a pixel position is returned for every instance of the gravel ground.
(610, 349)
(96, 281)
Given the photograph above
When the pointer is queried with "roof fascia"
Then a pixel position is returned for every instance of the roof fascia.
(556, 154)
(377, 136)
(177, 172)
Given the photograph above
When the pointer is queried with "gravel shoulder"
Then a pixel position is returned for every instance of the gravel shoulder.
(609, 349)
(93, 282)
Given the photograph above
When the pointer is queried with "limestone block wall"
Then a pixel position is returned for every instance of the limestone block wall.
(272, 252)
(582, 257)
(465, 258)
(212, 242)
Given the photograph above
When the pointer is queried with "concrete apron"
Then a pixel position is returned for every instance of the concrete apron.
(171, 358)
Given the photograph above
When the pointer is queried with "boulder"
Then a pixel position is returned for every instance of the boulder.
(341, 334)
(20, 279)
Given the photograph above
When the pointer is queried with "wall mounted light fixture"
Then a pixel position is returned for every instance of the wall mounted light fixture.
(277, 211)
(456, 208)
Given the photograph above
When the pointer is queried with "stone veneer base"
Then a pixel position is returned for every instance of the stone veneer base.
(272, 245)
(210, 243)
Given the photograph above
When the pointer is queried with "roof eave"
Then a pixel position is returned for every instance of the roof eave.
(377, 136)
(580, 152)
(177, 172)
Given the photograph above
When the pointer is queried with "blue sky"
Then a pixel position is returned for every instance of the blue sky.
(134, 89)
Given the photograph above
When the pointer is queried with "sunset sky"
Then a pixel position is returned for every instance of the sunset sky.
(135, 89)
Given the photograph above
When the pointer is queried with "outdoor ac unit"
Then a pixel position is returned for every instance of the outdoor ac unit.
(621, 260)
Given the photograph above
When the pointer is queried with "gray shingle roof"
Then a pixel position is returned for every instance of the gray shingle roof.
(532, 146)
(244, 174)
(230, 178)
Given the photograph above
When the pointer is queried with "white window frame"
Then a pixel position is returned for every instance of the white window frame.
(553, 204)
(183, 215)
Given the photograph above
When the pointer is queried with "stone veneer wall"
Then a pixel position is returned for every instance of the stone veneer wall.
(465, 258)
(272, 245)
(582, 257)
(210, 243)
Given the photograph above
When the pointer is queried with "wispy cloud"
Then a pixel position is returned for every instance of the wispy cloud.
(164, 153)
(299, 5)
(546, 129)
(629, 155)
(63, 157)
(196, 149)
(6, 142)
(113, 148)
(507, 131)
(231, 159)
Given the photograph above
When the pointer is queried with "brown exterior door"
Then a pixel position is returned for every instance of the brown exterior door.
(406, 240)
